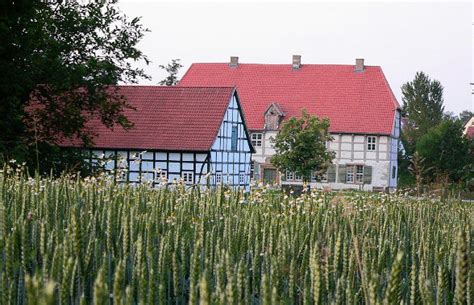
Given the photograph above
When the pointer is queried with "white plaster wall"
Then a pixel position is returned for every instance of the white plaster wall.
(350, 149)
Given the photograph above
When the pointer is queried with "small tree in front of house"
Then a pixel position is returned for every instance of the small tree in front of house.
(300, 146)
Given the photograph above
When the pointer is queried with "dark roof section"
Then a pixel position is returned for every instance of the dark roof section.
(166, 118)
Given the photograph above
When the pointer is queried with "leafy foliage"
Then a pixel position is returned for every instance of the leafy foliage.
(300, 146)
(423, 108)
(72, 241)
(58, 62)
(173, 69)
(432, 137)
(446, 152)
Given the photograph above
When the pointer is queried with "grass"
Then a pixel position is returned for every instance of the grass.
(73, 241)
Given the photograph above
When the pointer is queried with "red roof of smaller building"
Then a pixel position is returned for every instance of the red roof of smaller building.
(354, 102)
(166, 118)
(470, 132)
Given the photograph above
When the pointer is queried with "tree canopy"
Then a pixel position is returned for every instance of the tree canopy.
(301, 146)
(58, 63)
(172, 69)
(423, 108)
(446, 152)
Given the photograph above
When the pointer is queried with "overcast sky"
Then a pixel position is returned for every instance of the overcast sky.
(402, 38)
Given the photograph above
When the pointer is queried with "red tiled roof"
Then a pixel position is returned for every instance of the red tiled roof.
(167, 118)
(470, 132)
(355, 102)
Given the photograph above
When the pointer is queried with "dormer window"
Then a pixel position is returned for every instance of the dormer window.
(273, 117)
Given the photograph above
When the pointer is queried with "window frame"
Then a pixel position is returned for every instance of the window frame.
(323, 178)
(356, 172)
(242, 178)
(257, 139)
(162, 174)
(234, 138)
(218, 178)
(350, 173)
(185, 176)
(359, 175)
(371, 143)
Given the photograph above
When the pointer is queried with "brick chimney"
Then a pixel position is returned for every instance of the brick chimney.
(296, 61)
(359, 66)
(234, 61)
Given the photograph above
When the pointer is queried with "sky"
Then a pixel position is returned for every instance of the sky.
(401, 37)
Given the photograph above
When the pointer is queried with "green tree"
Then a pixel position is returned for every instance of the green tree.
(465, 116)
(172, 69)
(300, 146)
(423, 108)
(58, 61)
(446, 152)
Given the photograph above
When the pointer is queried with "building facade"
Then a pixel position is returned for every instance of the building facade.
(197, 135)
(367, 162)
(363, 112)
(469, 128)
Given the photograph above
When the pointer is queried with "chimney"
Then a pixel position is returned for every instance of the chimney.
(296, 61)
(359, 66)
(234, 61)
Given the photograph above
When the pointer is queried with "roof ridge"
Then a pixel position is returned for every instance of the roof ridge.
(276, 64)
(355, 102)
(170, 87)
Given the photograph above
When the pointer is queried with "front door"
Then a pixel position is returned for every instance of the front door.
(269, 175)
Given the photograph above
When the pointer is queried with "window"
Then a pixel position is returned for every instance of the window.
(242, 178)
(315, 177)
(161, 175)
(257, 139)
(187, 177)
(350, 174)
(234, 139)
(218, 178)
(394, 172)
(354, 174)
(324, 176)
(359, 173)
(292, 176)
(252, 168)
(371, 142)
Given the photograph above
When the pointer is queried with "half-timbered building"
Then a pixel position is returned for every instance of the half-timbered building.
(357, 99)
(197, 135)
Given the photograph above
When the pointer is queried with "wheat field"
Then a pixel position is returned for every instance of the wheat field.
(90, 241)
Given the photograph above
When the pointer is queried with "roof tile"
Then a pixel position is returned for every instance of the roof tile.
(355, 102)
(166, 118)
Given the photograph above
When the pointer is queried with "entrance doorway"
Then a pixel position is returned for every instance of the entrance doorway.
(269, 175)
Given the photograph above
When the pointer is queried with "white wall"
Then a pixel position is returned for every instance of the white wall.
(351, 149)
